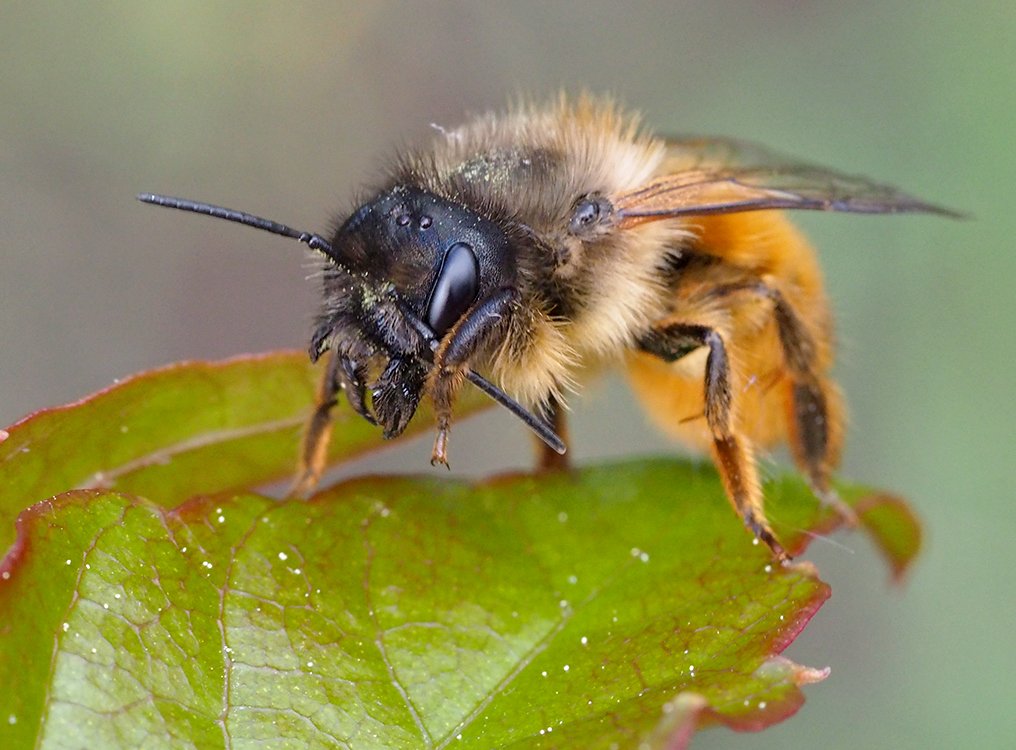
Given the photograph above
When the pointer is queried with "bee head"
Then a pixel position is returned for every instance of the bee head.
(400, 275)
(402, 271)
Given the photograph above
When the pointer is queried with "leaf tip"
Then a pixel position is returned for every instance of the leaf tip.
(894, 529)
(810, 675)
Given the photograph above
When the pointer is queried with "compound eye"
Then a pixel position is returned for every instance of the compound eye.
(457, 283)
(589, 211)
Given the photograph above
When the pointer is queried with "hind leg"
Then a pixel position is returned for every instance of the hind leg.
(813, 405)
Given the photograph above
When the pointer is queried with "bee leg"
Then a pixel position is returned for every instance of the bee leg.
(548, 459)
(318, 432)
(813, 405)
(733, 455)
(813, 417)
(451, 360)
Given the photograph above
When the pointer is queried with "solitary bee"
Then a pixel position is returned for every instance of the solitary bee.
(520, 249)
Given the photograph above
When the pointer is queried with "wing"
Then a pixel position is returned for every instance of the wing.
(717, 175)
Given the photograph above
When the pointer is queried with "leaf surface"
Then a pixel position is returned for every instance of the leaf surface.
(621, 605)
(403, 612)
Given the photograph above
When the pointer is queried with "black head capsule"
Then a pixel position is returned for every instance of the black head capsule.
(440, 293)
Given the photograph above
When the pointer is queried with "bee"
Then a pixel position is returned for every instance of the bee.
(522, 250)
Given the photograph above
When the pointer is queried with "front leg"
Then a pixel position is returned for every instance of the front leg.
(732, 452)
(463, 340)
(342, 374)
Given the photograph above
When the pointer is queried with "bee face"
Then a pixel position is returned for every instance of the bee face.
(404, 269)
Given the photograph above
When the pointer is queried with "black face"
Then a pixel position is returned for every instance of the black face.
(409, 265)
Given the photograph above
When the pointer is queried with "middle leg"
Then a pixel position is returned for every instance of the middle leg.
(732, 450)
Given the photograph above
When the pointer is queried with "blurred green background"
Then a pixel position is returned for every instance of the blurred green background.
(283, 110)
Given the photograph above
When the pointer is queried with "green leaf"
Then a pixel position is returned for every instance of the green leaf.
(193, 427)
(618, 606)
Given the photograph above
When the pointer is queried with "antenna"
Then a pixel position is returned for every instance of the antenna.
(313, 241)
(539, 427)
(316, 242)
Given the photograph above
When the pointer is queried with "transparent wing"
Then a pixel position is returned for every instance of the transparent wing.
(717, 175)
